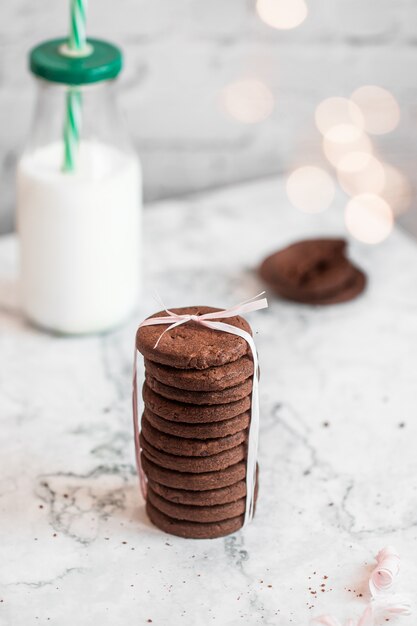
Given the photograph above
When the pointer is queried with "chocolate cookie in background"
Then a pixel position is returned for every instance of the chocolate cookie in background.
(313, 271)
(195, 425)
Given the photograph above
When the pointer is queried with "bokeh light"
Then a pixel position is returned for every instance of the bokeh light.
(310, 189)
(397, 189)
(344, 133)
(248, 101)
(369, 218)
(338, 112)
(369, 178)
(353, 161)
(340, 142)
(379, 108)
(282, 14)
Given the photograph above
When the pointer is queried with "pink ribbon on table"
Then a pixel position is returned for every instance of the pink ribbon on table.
(209, 320)
(385, 572)
(380, 582)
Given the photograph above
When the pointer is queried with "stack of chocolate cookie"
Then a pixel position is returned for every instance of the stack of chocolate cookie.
(194, 427)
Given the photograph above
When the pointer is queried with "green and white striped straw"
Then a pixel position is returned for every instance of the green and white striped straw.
(77, 42)
(77, 37)
(72, 127)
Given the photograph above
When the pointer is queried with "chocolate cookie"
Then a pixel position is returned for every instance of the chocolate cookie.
(193, 413)
(313, 272)
(213, 430)
(202, 514)
(210, 379)
(209, 497)
(192, 345)
(200, 397)
(193, 482)
(193, 464)
(350, 290)
(347, 290)
(190, 447)
(193, 530)
(312, 266)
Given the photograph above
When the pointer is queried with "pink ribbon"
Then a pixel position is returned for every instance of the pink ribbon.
(385, 572)
(380, 582)
(209, 320)
(367, 618)
(394, 604)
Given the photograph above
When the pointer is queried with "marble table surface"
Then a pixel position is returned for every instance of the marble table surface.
(337, 441)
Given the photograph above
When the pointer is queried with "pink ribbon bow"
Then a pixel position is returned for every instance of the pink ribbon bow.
(209, 320)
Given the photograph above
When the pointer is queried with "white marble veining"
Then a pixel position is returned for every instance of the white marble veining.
(337, 443)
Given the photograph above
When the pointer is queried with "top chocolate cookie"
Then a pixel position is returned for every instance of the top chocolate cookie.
(192, 345)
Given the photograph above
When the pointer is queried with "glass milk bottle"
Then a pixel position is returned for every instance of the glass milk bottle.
(78, 195)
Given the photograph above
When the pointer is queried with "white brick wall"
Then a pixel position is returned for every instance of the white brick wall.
(181, 53)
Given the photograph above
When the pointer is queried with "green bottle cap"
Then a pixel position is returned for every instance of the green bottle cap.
(53, 61)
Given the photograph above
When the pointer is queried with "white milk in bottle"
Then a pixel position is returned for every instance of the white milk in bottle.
(78, 198)
(79, 237)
